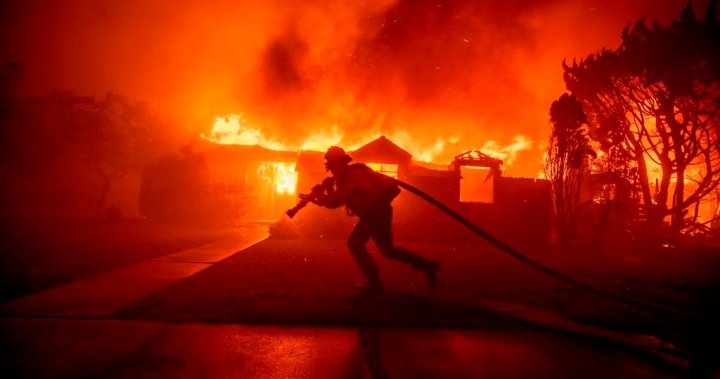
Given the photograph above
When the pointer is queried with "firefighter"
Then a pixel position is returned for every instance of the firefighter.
(368, 195)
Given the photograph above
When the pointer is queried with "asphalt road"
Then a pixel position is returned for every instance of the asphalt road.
(288, 308)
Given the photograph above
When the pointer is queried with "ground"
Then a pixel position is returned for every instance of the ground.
(267, 281)
(38, 253)
(263, 310)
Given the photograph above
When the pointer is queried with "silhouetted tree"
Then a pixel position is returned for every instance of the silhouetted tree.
(657, 99)
(116, 136)
(714, 223)
(52, 146)
(39, 159)
(566, 162)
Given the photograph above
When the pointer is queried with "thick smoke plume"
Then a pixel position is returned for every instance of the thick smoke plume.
(454, 72)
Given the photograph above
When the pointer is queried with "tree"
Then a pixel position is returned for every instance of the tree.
(40, 163)
(656, 99)
(53, 148)
(116, 136)
(566, 163)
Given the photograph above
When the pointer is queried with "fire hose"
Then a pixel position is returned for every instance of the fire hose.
(639, 303)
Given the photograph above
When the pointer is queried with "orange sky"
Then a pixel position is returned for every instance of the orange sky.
(470, 71)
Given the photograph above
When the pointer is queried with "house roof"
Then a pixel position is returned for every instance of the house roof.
(381, 150)
(239, 152)
(476, 158)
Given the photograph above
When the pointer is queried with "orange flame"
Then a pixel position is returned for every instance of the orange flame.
(285, 178)
(282, 175)
(234, 129)
(237, 129)
(508, 154)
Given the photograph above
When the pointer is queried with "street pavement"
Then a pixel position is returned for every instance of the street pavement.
(137, 322)
(70, 348)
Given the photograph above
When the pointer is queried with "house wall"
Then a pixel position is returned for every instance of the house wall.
(520, 215)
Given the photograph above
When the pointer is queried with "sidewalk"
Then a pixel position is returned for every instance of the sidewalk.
(104, 294)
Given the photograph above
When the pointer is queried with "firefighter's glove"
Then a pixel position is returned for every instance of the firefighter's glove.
(308, 197)
(328, 183)
(314, 196)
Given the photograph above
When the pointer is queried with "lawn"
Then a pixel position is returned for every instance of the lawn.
(36, 254)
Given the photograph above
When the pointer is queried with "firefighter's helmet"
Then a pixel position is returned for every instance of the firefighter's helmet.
(336, 154)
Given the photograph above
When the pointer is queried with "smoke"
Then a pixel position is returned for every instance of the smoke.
(282, 65)
(460, 70)
(475, 72)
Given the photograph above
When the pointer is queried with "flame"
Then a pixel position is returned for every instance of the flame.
(420, 151)
(321, 141)
(285, 178)
(238, 130)
(234, 129)
(282, 175)
(508, 154)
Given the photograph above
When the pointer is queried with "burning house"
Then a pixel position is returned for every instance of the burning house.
(515, 209)
(219, 184)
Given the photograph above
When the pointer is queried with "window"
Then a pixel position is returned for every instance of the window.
(390, 170)
(475, 185)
